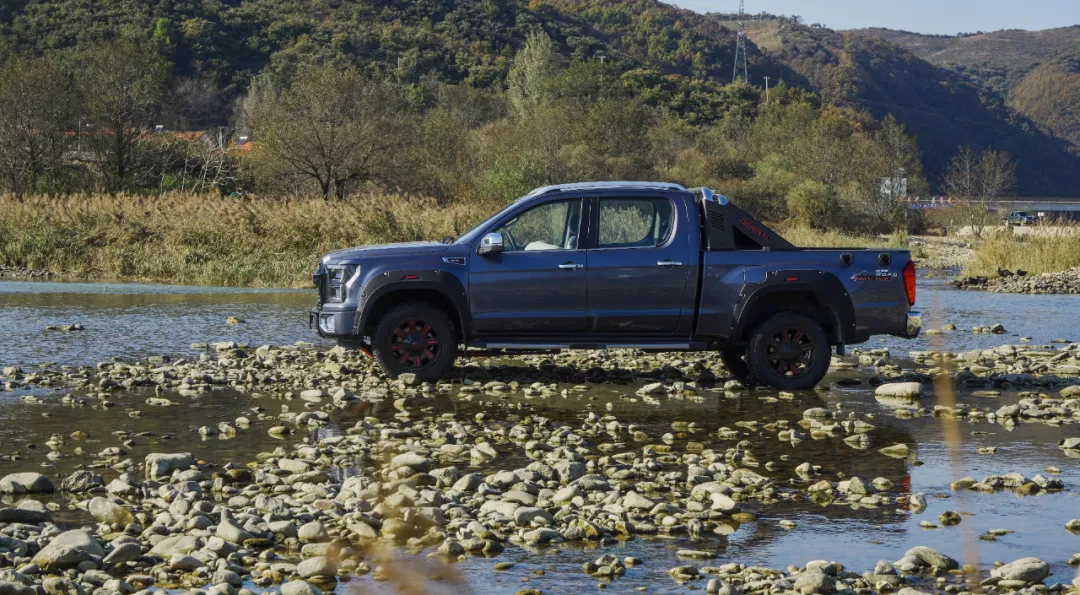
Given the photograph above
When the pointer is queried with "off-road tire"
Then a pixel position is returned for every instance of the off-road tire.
(735, 364)
(789, 351)
(398, 350)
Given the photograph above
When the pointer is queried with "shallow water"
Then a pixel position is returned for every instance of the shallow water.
(136, 320)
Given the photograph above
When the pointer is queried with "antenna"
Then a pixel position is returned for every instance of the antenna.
(740, 46)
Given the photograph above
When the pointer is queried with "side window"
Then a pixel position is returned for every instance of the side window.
(635, 222)
(550, 226)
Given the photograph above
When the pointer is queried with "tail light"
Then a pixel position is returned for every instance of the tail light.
(909, 281)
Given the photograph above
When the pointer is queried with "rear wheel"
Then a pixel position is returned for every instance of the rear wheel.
(735, 363)
(415, 338)
(789, 351)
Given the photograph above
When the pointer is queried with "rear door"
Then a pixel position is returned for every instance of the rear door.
(639, 266)
(537, 284)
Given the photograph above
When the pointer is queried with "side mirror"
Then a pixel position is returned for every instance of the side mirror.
(491, 243)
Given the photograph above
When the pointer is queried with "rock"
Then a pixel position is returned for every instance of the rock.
(313, 532)
(124, 552)
(25, 483)
(1073, 525)
(299, 588)
(179, 544)
(159, 465)
(412, 460)
(185, 562)
(14, 588)
(61, 586)
(896, 451)
(81, 481)
(1029, 570)
(814, 580)
(21, 515)
(106, 511)
(903, 390)
(949, 518)
(1069, 444)
(68, 550)
(231, 532)
(633, 500)
(932, 558)
(233, 321)
(723, 503)
(319, 566)
(529, 516)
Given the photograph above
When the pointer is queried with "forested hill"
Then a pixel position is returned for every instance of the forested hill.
(1036, 73)
(674, 58)
(944, 107)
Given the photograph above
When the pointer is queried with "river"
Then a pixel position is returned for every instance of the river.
(130, 320)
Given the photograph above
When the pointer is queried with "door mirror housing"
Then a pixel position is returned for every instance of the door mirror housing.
(491, 243)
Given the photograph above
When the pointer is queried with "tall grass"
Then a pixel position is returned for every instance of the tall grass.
(187, 238)
(1056, 249)
(806, 237)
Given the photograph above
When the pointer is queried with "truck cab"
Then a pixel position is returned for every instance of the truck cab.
(639, 265)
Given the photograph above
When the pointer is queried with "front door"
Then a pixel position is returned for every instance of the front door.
(639, 269)
(536, 285)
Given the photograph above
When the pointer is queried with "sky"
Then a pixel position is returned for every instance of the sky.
(922, 16)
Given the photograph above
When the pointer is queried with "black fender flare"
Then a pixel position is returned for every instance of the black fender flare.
(826, 286)
(441, 282)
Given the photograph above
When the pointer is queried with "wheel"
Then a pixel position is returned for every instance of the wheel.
(735, 364)
(789, 351)
(415, 338)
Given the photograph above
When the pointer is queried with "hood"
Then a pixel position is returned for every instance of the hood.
(362, 252)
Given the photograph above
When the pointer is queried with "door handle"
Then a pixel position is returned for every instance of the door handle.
(669, 263)
(571, 266)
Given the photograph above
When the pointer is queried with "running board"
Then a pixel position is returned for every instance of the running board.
(688, 346)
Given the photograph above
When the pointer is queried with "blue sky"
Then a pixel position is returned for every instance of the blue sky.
(923, 16)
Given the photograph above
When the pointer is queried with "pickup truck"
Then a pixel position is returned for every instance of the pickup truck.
(614, 265)
(1021, 218)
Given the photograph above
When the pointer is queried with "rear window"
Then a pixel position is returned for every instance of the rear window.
(635, 222)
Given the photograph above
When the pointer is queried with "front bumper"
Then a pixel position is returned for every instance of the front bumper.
(332, 324)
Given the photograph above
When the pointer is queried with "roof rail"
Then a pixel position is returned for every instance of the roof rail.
(607, 185)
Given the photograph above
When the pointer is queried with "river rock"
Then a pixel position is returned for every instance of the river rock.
(25, 483)
(299, 588)
(1029, 570)
(159, 465)
(814, 580)
(106, 511)
(179, 544)
(901, 390)
(932, 558)
(81, 481)
(1069, 444)
(124, 552)
(68, 550)
(319, 566)
(23, 515)
(61, 586)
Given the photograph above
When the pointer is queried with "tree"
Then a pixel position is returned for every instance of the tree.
(533, 68)
(975, 180)
(334, 128)
(37, 110)
(123, 84)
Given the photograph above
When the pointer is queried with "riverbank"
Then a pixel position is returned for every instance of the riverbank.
(196, 239)
(520, 464)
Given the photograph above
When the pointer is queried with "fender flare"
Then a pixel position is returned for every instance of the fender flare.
(826, 286)
(388, 282)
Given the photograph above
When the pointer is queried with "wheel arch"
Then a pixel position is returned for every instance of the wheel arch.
(824, 299)
(440, 295)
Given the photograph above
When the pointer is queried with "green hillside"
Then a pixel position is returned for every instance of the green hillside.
(672, 59)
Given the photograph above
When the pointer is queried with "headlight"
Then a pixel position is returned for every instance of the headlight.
(338, 278)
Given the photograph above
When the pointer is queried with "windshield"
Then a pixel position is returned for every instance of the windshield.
(470, 236)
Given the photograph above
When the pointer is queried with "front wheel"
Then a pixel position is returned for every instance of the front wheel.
(789, 351)
(415, 338)
(735, 364)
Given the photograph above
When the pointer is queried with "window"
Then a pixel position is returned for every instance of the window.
(550, 226)
(635, 222)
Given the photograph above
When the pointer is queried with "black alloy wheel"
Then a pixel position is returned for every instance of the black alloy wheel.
(415, 338)
(789, 351)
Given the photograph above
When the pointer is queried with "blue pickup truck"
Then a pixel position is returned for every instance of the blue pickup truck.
(614, 265)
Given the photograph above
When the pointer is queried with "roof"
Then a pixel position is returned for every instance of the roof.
(584, 186)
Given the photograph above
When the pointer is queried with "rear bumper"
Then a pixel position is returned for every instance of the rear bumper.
(332, 324)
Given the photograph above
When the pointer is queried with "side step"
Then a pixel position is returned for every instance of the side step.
(507, 346)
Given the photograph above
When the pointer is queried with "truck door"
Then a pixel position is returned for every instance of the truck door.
(537, 283)
(639, 269)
